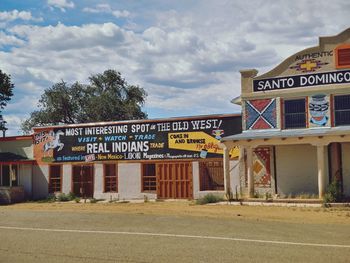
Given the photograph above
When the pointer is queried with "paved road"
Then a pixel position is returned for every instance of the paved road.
(114, 237)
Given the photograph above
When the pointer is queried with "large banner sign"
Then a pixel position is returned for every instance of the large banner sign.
(144, 140)
(298, 81)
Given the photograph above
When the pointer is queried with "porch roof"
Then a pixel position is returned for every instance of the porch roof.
(12, 157)
(290, 133)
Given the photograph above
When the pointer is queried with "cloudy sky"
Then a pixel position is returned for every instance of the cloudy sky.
(185, 53)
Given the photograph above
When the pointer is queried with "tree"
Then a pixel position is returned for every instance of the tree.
(107, 97)
(6, 92)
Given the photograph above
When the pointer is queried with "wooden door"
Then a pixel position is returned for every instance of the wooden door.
(82, 179)
(174, 180)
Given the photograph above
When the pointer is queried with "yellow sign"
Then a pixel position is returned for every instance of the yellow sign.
(197, 142)
(234, 153)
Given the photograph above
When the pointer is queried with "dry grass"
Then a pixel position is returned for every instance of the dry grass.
(187, 208)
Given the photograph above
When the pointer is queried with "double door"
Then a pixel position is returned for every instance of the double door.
(174, 180)
(83, 181)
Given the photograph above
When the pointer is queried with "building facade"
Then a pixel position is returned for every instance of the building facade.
(296, 123)
(177, 158)
(16, 162)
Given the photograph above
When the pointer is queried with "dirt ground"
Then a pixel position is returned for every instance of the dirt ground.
(303, 215)
(172, 232)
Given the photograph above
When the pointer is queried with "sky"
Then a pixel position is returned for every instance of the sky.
(186, 54)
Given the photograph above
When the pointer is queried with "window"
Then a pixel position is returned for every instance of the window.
(211, 176)
(343, 56)
(149, 179)
(9, 175)
(342, 110)
(111, 178)
(294, 114)
(5, 174)
(55, 178)
(14, 174)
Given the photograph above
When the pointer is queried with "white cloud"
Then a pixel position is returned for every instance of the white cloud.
(63, 38)
(61, 4)
(100, 8)
(188, 59)
(13, 123)
(121, 14)
(8, 16)
(6, 40)
(106, 8)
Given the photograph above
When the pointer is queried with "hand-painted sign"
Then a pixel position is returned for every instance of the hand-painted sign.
(299, 81)
(315, 55)
(260, 114)
(308, 65)
(319, 111)
(144, 140)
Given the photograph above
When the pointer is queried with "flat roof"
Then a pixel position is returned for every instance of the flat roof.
(138, 121)
(16, 138)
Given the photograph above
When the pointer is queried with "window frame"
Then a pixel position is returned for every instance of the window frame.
(115, 165)
(50, 178)
(337, 49)
(283, 109)
(143, 169)
(342, 110)
(10, 165)
(2, 175)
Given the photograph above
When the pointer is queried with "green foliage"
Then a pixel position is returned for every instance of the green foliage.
(77, 200)
(257, 195)
(107, 97)
(6, 92)
(333, 192)
(71, 196)
(268, 196)
(6, 89)
(209, 199)
(62, 197)
(49, 199)
(230, 196)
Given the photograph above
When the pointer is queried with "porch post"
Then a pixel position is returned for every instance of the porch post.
(321, 150)
(227, 169)
(250, 173)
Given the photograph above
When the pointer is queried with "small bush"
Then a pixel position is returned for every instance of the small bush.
(268, 196)
(49, 199)
(62, 197)
(333, 193)
(209, 199)
(77, 200)
(258, 195)
(71, 196)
